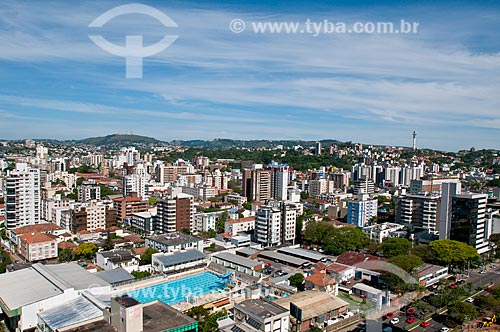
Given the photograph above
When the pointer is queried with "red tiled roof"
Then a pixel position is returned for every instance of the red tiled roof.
(246, 219)
(40, 228)
(36, 237)
(336, 267)
(67, 245)
(320, 279)
(127, 199)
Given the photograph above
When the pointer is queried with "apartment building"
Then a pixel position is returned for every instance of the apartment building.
(176, 213)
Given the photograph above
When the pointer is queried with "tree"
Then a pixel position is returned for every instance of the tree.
(140, 274)
(395, 247)
(86, 250)
(79, 181)
(153, 200)
(459, 311)
(297, 280)
(108, 243)
(247, 206)
(66, 255)
(4, 260)
(221, 222)
(409, 263)
(146, 256)
(453, 253)
(487, 303)
(424, 252)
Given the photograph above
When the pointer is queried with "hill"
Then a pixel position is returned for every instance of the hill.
(120, 139)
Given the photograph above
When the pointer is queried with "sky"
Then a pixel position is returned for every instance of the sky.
(442, 81)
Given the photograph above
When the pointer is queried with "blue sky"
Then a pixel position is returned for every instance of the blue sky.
(443, 82)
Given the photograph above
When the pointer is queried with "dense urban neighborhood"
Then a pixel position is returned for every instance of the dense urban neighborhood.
(129, 233)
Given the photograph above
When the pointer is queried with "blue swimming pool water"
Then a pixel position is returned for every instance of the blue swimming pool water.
(175, 291)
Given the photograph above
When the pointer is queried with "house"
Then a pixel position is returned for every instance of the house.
(241, 225)
(319, 280)
(117, 258)
(174, 242)
(377, 296)
(340, 272)
(240, 240)
(311, 308)
(36, 247)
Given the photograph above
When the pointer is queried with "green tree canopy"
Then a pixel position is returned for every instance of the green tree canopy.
(335, 240)
(395, 247)
(460, 311)
(146, 256)
(453, 253)
(297, 280)
(409, 263)
(86, 250)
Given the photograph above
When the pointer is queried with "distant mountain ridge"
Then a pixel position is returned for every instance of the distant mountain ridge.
(119, 139)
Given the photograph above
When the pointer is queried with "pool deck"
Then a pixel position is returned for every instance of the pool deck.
(182, 306)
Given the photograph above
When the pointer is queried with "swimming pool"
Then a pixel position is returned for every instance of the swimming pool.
(175, 291)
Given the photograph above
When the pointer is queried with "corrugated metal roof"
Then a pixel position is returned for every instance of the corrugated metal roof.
(73, 312)
(180, 257)
(115, 276)
(302, 253)
(283, 258)
(238, 260)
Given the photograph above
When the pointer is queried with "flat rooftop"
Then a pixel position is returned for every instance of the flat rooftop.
(182, 257)
(174, 239)
(312, 303)
(238, 260)
(261, 308)
(273, 255)
(159, 317)
(311, 255)
(100, 326)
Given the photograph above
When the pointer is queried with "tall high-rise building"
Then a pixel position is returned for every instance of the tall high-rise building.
(257, 184)
(176, 213)
(463, 217)
(23, 199)
(317, 148)
(363, 186)
(137, 184)
(421, 211)
(280, 177)
(88, 192)
(275, 224)
(361, 210)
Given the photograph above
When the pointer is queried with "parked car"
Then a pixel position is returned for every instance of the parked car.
(268, 265)
(389, 315)
(444, 329)
(394, 320)
(411, 311)
(425, 324)
(469, 300)
(411, 319)
(453, 285)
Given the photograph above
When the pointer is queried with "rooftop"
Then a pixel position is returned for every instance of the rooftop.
(40, 228)
(320, 279)
(367, 288)
(312, 303)
(36, 237)
(127, 301)
(180, 257)
(174, 239)
(118, 255)
(302, 253)
(282, 257)
(159, 317)
(261, 308)
(115, 276)
(428, 269)
(69, 275)
(70, 313)
(238, 260)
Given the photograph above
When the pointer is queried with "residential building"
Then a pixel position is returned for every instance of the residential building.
(241, 225)
(89, 216)
(319, 280)
(174, 242)
(126, 206)
(463, 217)
(257, 184)
(361, 211)
(144, 222)
(22, 199)
(117, 258)
(88, 192)
(280, 177)
(275, 225)
(429, 185)
(363, 186)
(420, 210)
(176, 213)
(381, 232)
(238, 199)
(203, 222)
(36, 247)
(136, 185)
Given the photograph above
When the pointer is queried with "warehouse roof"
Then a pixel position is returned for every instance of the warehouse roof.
(180, 257)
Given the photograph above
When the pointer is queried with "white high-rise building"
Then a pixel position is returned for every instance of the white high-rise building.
(135, 183)
(22, 201)
(275, 225)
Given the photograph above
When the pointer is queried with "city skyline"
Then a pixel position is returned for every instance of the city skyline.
(371, 88)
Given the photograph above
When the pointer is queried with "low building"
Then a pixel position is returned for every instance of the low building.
(340, 272)
(236, 198)
(238, 263)
(311, 308)
(203, 222)
(178, 261)
(174, 242)
(241, 240)
(283, 259)
(126, 206)
(262, 315)
(377, 296)
(321, 281)
(117, 258)
(36, 247)
(143, 221)
(429, 274)
(241, 225)
(380, 232)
